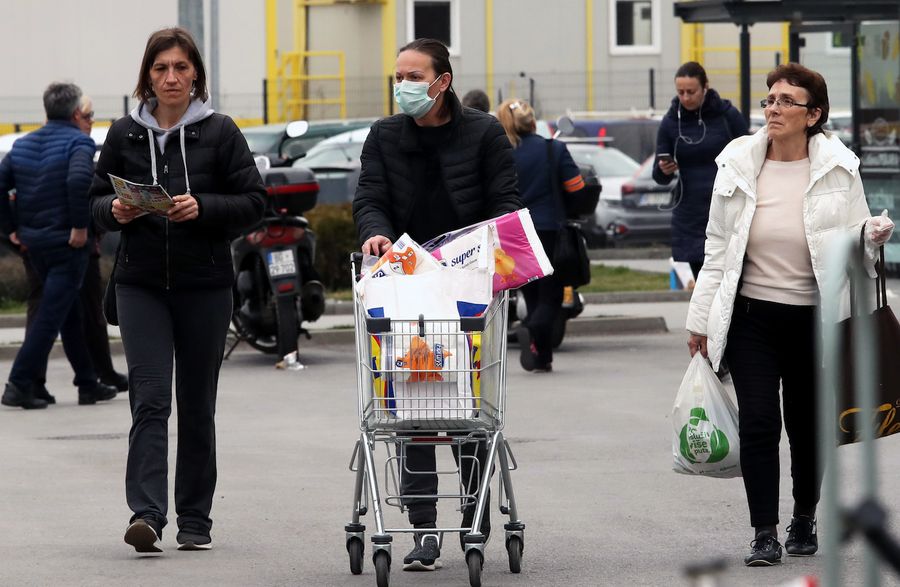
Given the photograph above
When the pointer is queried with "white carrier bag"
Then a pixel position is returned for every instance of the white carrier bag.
(705, 425)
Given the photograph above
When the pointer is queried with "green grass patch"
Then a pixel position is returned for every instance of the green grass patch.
(606, 279)
(12, 307)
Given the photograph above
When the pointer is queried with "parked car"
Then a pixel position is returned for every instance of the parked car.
(275, 142)
(643, 215)
(613, 168)
(336, 163)
(636, 137)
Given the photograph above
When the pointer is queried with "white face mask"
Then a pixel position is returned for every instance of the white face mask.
(413, 98)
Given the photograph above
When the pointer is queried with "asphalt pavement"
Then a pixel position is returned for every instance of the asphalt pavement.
(594, 484)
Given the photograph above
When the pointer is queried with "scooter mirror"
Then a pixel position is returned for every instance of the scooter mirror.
(564, 125)
(297, 128)
(262, 162)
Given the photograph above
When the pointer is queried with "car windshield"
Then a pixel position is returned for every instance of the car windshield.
(606, 161)
(263, 141)
(334, 155)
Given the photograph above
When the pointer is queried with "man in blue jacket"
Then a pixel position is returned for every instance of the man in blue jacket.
(51, 170)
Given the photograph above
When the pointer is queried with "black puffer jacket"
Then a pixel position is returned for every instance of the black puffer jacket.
(194, 254)
(477, 165)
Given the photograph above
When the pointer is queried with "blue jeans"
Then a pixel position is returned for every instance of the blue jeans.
(62, 271)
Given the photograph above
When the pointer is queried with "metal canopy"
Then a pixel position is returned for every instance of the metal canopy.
(753, 11)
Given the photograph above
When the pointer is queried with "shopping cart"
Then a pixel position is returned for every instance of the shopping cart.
(404, 400)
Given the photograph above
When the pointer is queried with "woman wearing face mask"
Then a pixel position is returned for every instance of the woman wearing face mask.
(174, 279)
(693, 132)
(434, 168)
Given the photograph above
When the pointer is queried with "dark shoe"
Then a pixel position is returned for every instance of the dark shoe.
(765, 552)
(17, 398)
(91, 394)
(425, 556)
(193, 537)
(527, 352)
(117, 380)
(144, 535)
(40, 392)
(545, 368)
(802, 539)
(468, 517)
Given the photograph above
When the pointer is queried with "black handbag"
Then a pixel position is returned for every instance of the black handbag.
(110, 309)
(887, 373)
(571, 264)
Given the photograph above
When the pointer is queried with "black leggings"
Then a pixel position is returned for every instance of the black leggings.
(543, 298)
(771, 344)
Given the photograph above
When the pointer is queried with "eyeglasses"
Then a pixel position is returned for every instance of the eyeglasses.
(88, 115)
(786, 103)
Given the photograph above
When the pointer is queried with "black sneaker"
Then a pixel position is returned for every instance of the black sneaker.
(91, 394)
(18, 398)
(765, 552)
(426, 556)
(144, 535)
(41, 392)
(527, 352)
(802, 539)
(117, 380)
(193, 537)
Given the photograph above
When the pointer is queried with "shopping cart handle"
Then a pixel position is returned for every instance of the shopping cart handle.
(356, 257)
(378, 325)
(472, 324)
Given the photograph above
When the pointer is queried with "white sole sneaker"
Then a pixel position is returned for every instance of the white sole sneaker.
(143, 537)
(420, 566)
(194, 546)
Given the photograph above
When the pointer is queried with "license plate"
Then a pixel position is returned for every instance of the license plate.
(281, 263)
(661, 199)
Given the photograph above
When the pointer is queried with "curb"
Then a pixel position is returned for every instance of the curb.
(600, 326)
(637, 297)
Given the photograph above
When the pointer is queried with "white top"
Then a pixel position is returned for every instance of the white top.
(777, 267)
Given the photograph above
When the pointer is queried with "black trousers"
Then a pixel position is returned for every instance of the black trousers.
(159, 326)
(91, 300)
(771, 344)
(543, 298)
(423, 511)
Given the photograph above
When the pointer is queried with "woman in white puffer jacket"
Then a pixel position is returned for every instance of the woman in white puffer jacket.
(779, 197)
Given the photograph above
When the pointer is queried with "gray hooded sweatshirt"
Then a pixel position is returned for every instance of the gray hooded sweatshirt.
(143, 114)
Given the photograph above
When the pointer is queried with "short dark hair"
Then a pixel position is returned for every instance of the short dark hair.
(440, 60)
(163, 40)
(478, 100)
(811, 81)
(61, 100)
(693, 69)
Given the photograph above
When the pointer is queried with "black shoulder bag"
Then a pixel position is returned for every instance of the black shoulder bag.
(110, 308)
(571, 264)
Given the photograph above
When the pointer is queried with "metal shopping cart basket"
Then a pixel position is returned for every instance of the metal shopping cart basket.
(431, 381)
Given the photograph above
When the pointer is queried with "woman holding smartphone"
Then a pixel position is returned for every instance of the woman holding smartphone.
(693, 132)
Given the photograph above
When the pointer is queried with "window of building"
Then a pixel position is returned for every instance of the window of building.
(634, 27)
(435, 19)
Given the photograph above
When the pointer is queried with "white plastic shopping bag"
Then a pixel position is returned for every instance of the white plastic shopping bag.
(705, 425)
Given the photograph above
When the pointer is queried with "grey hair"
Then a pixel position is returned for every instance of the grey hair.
(61, 100)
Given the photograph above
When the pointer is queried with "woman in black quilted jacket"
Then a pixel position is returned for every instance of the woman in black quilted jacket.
(433, 168)
(173, 279)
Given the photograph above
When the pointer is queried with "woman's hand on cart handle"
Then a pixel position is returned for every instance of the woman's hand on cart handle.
(377, 245)
(697, 342)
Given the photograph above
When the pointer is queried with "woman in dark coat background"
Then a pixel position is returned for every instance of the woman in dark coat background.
(693, 132)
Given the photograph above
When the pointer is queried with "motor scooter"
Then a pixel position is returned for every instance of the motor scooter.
(276, 286)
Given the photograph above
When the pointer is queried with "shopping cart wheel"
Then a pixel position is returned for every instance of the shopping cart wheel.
(514, 549)
(475, 560)
(355, 548)
(382, 569)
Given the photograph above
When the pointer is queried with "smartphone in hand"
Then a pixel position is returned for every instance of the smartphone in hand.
(665, 157)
